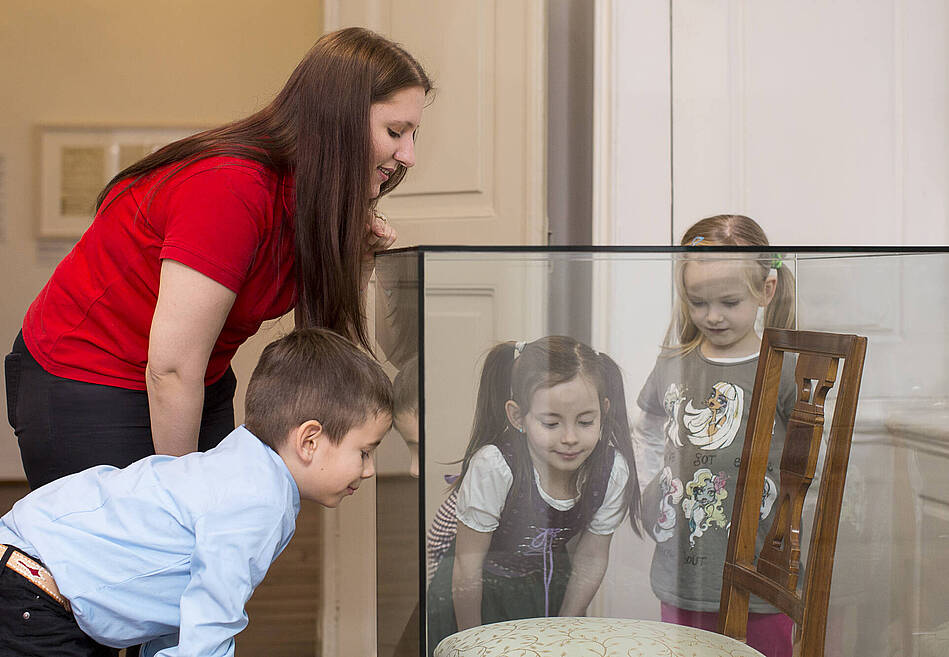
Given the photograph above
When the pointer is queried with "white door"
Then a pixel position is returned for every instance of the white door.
(827, 122)
(479, 179)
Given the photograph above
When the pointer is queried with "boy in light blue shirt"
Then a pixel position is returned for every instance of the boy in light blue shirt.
(167, 551)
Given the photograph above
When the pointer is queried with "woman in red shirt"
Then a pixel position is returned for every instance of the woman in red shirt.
(126, 351)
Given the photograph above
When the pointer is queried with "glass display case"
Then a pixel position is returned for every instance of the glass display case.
(453, 322)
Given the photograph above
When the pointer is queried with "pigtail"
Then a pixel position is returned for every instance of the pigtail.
(616, 431)
(780, 313)
(494, 389)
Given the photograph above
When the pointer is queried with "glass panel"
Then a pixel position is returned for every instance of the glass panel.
(536, 443)
(889, 587)
(397, 491)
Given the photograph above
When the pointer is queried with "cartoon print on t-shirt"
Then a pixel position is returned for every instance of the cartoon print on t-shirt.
(715, 426)
(672, 402)
(768, 496)
(670, 493)
(703, 502)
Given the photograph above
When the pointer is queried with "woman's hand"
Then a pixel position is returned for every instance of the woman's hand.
(380, 235)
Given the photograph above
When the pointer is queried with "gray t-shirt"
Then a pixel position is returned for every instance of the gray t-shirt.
(687, 507)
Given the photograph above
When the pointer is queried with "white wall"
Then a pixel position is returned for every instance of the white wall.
(632, 174)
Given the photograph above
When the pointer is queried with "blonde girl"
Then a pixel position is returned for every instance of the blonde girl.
(695, 407)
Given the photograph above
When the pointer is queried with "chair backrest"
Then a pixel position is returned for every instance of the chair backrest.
(773, 576)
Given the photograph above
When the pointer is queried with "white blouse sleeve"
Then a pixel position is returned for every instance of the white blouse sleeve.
(611, 513)
(484, 489)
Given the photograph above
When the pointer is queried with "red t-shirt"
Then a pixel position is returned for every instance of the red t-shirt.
(226, 217)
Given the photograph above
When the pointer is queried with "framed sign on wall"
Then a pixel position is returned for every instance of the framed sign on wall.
(75, 163)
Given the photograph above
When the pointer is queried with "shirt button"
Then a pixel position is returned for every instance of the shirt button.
(26, 615)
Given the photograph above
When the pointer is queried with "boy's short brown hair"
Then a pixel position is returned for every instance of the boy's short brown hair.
(314, 374)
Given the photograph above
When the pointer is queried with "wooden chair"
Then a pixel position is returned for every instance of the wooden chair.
(774, 575)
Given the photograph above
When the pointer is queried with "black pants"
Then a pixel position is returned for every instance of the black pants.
(32, 624)
(64, 426)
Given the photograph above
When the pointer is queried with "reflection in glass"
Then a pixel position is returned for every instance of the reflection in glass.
(398, 544)
(405, 417)
(549, 460)
(687, 409)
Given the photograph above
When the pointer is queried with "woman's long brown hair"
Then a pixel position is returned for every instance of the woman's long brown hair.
(316, 131)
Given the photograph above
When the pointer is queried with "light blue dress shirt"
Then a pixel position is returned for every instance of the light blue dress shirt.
(167, 550)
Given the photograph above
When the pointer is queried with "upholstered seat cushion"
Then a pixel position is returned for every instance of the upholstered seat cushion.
(589, 637)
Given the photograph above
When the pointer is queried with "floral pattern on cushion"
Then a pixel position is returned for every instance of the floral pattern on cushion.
(589, 637)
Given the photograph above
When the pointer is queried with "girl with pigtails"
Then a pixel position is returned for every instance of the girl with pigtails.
(695, 406)
(549, 459)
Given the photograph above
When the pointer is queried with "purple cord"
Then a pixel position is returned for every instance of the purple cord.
(543, 544)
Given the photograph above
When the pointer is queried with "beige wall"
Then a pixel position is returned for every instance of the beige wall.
(191, 62)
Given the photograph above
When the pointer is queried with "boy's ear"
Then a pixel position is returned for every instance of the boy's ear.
(306, 439)
(513, 412)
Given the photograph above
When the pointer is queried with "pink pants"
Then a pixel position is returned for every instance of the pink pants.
(769, 634)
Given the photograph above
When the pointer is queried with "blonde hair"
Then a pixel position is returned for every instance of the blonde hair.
(683, 335)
